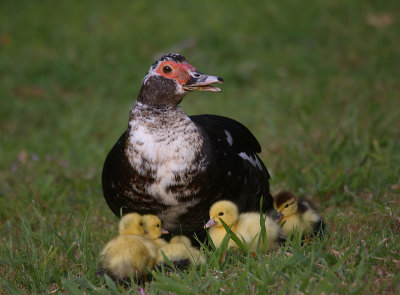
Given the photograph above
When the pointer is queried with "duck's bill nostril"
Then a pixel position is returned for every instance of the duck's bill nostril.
(203, 82)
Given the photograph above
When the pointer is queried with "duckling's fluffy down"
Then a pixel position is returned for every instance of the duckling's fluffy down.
(128, 255)
(245, 226)
(248, 227)
(297, 214)
(152, 225)
(180, 249)
(308, 222)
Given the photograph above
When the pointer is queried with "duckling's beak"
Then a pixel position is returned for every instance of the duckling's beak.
(146, 232)
(278, 216)
(210, 223)
(164, 231)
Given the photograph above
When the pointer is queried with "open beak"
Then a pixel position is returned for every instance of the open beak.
(278, 216)
(201, 82)
(211, 223)
(164, 231)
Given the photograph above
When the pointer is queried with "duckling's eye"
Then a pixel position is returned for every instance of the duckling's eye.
(221, 213)
(158, 225)
(287, 205)
(167, 69)
(141, 224)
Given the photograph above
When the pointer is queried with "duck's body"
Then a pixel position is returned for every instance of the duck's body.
(130, 253)
(176, 166)
(246, 226)
(180, 252)
(298, 215)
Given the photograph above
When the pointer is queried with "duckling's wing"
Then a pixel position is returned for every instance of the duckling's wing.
(318, 226)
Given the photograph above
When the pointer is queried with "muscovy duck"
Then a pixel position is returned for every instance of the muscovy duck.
(176, 166)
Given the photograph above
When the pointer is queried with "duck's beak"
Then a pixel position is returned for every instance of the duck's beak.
(164, 231)
(278, 216)
(210, 223)
(201, 82)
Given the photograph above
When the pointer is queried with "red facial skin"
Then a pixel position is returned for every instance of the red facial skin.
(180, 71)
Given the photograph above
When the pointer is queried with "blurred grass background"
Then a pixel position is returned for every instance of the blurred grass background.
(317, 82)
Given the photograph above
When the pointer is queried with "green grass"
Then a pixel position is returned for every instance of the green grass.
(317, 82)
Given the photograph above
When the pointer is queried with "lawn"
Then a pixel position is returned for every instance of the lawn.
(317, 82)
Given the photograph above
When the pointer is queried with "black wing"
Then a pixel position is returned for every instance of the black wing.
(235, 149)
(244, 140)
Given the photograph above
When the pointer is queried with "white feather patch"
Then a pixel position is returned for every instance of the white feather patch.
(229, 137)
(254, 161)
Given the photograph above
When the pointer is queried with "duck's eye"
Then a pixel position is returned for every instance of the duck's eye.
(287, 205)
(158, 225)
(221, 213)
(141, 224)
(167, 69)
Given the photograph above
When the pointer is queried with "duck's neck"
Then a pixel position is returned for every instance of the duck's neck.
(154, 112)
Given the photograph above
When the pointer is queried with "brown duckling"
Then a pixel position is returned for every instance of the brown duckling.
(296, 214)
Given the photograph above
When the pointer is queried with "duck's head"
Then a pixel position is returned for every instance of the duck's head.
(170, 78)
(285, 203)
(225, 210)
(131, 224)
(152, 226)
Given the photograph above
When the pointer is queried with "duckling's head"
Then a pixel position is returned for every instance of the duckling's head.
(225, 210)
(131, 224)
(285, 203)
(152, 226)
(180, 239)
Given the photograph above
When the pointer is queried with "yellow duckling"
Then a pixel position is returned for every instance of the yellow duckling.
(245, 225)
(131, 224)
(153, 229)
(297, 214)
(130, 253)
(180, 252)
